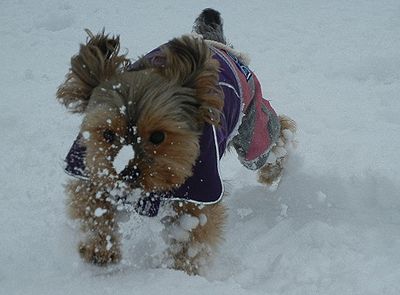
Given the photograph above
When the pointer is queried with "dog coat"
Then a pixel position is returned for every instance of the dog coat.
(248, 123)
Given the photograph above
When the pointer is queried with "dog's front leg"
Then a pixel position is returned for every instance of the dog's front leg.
(194, 234)
(97, 216)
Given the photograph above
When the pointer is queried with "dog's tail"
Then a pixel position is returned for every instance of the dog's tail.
(209, 24)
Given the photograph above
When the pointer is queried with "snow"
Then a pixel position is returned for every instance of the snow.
(99, 212)
(202, 219)
(86, 135)
(332, 225)
(121, 160)
(109, 243)
(188, 222)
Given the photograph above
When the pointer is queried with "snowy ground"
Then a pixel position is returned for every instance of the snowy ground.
(333, 226)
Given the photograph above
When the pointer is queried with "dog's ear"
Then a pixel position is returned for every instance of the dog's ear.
(188, 62)
(97, 61)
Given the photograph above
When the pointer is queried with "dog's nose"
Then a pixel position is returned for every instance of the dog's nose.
(130, 174)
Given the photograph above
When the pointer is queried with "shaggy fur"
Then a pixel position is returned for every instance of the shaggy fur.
(161, 111)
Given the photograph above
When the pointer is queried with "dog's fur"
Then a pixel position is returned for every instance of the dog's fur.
(175, 100)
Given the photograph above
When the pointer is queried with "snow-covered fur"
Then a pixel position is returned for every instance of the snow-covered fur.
(157, 113)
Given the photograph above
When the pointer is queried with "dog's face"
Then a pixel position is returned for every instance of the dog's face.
(157, 111)
(153, 117)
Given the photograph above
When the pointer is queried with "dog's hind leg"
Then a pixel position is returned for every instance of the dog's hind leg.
(270, 174)
(194, 234)
(97, 217)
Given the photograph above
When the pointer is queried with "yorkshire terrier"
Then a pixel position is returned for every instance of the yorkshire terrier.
(160, 126)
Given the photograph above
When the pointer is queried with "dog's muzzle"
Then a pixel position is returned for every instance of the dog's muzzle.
(130, 174)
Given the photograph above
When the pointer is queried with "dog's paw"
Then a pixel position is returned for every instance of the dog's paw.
(271, 173)
(182, 234)
(180, 229)
(100, 251)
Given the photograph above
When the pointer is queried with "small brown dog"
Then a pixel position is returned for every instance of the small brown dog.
(161, 125)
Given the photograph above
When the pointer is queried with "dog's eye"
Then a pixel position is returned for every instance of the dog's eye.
(157, 137)
(109, 136)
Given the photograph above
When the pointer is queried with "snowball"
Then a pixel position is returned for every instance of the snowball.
(179, 234)
(188, 222)
(109, 243)
(275, 184)
(117, 86)
(86, 135)
(99, 212)
(280, 152)
(287, 134)
(202, 219)
(104, 172)
(121, 160)
(122, 110)
(194, 250)
(74, 104)
(271, 158)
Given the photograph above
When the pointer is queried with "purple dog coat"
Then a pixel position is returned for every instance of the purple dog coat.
(248, 123)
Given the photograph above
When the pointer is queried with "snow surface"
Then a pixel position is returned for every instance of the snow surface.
(333, 225)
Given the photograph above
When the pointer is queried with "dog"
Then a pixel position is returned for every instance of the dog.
(160, 126)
